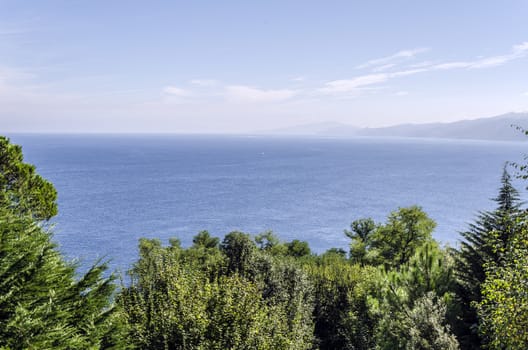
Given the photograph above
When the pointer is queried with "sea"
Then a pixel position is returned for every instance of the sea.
(115, 189)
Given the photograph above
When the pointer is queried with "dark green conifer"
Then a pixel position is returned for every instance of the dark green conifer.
(483, 242)
(42, 304)
(22, 190)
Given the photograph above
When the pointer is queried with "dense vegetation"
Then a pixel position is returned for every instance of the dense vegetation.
(43, 304)
(395, 288)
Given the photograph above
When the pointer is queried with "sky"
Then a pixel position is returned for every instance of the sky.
(246, 66)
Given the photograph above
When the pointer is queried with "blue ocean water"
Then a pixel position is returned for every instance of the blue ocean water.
(115, 189)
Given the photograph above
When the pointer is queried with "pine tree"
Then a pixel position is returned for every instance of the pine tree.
(22, 190)
(42, 304)
(412, 303)
(483, 243)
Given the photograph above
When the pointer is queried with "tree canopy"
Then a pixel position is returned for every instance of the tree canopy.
(22, 190)
(393, 243)
(44, 303)
(483, 244)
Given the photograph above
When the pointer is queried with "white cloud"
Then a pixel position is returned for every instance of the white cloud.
(204, 82)
(398, 56)
(407, 72)
(241, 93)
(176, 91)
(358, 83)
(522, 47)
(354, 85)
(518, 51)
(525, 94)
(384, 67)
(487, 62)
(350, 85)
(401, 93)
(421, 64)
(450, 65)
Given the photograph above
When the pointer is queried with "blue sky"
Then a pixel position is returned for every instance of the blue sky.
(242, 66)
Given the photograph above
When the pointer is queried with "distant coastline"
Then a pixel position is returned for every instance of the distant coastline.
(498, 128)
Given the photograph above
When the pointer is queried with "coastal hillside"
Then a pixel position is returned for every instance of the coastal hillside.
(500, 128)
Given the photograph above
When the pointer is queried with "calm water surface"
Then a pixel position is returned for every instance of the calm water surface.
(115, 189)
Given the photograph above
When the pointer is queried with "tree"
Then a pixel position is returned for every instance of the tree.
(411, 303)
(361, 236)
(22, 190)
(503, 310)
(284, 284)
(205, 254)
(241, 319)
(204, 240)
(391, 244)
(172, 303)
(406, 229)
(483, 244)
(239, 250)
(165, 303)
(340, 314)
(297, 248)
(337, 252)
(270, 243)
(422, 327)
(42, 304)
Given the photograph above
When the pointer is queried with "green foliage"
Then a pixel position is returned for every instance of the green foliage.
(428, 329)
(215, 297)
(165, 303)
(239, 250)
(252, 301)
(484, 239)
(341, 313)
(361, 235)
(22, 190)
(42, 305)
(393, 243)
(240, 318)
(483, 244)
(270, 243)
(287, 287)
(240, 295)
(397, 290)
(204, 240)
(406, 229)
(411, 303)
(503, 310)
(336, 251)
(298, 248)
(430, 269)
(418, 326)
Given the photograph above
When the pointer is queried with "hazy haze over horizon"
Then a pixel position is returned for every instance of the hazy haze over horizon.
(239, 66)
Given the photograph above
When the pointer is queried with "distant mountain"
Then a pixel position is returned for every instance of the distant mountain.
(495, 128)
